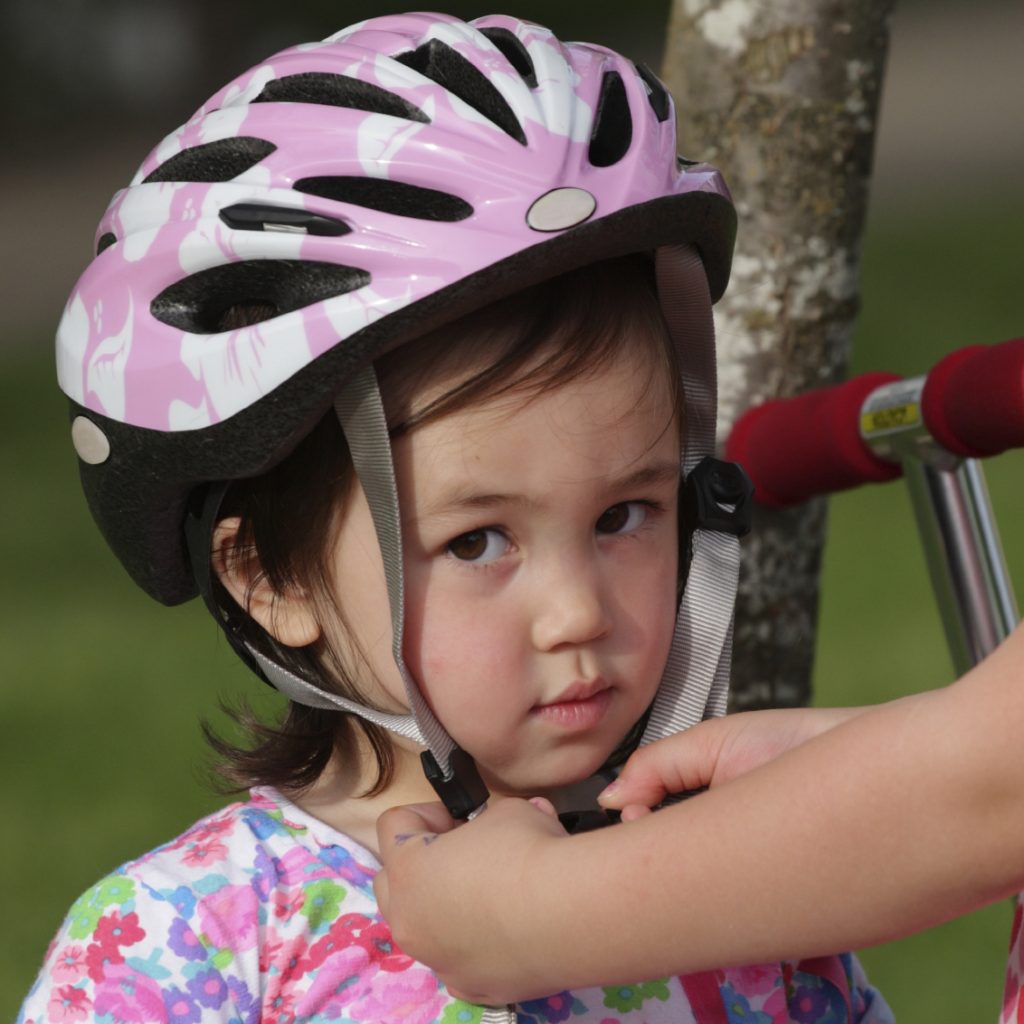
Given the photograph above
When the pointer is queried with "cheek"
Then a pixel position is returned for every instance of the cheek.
(455, 647)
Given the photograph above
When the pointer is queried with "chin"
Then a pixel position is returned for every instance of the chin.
(527, 781)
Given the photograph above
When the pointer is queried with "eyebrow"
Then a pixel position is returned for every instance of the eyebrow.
(653, 474)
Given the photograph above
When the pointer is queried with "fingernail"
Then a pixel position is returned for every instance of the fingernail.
(610, 788)
(539, 802)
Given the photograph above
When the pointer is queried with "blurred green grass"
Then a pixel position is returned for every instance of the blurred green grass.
(104, 689)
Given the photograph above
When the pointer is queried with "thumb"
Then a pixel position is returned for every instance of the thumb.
(673, 765)
(399, 825)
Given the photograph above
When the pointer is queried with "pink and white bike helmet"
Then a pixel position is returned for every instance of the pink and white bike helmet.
(368, 189)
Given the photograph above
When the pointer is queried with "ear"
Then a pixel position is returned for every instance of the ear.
(287, 617)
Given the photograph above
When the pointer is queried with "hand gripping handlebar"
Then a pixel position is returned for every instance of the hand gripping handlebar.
(971, 404)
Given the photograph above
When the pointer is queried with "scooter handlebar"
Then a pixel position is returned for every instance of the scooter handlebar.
(973, 399)
(797, 448)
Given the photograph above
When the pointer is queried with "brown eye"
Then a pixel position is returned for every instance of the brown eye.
(479, 546)
(622, 518)
(613, 519)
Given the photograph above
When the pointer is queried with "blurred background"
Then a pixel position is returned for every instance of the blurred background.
(104, 690)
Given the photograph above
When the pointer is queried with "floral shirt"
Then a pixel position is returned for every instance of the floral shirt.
(261, 912)
(1013, 996)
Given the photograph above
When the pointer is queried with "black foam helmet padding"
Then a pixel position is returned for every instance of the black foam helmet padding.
(139, 494)
(613, 126)
(514, 52)
(397, 197)
(213, 161)
(338, 91)
(197, 302)
(448, 68)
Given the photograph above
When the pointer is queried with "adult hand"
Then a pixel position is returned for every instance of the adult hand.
(713, 752)
(451, 895)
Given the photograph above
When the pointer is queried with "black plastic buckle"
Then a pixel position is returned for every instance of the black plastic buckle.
(575, 822)
(719, 496)
(465, 791)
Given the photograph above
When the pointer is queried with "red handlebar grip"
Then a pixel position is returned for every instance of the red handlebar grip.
(797, 448)
(973, 399)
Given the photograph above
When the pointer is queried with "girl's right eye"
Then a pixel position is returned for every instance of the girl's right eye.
(479, 546)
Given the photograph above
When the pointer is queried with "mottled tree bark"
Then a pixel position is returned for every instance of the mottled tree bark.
(782, 95)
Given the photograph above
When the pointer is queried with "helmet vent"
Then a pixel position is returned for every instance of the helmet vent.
(514, 52)
(388, 196)
(213, 161)
(107, 239)
(203, 302)
(338, 91)
(265, 217)
(657, 94)
(449, 69)
(613, 126)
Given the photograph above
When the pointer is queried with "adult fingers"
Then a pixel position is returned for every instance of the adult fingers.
(672, 765)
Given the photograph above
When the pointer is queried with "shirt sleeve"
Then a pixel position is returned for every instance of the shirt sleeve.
(126, 952)
(869, 1007)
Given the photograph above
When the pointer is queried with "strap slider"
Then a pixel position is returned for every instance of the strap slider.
(719, 496)
(465, 791)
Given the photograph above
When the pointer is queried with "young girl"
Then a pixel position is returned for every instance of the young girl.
(411, 335)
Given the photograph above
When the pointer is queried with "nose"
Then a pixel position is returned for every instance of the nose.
(570, 607)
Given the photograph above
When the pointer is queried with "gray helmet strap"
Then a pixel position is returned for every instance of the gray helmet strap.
(695, 684)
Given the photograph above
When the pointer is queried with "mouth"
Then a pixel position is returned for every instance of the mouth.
(580, 707)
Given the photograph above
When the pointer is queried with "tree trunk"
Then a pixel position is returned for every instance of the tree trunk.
(783, 97)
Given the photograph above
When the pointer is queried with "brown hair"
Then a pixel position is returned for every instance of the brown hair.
(289, 515)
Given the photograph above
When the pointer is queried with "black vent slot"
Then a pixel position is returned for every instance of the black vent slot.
(264, 217)
(657, 94)
(107, 239)
(395, 197)
(213, 161)
(613, 126)
(514, 52)
(448, 68)
(339, 91)
(202, 302)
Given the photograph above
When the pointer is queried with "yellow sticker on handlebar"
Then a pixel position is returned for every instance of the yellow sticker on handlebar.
(889, 418)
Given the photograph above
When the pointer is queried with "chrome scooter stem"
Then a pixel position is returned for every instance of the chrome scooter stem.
(964, 556)
(955, 520)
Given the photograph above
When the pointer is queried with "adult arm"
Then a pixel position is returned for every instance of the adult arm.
(887, 823)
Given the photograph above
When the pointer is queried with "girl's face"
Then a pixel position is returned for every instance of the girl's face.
(540, 544)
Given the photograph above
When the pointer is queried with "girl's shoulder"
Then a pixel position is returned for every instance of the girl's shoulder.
(197, 918)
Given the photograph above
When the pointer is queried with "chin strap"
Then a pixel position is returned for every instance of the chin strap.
(695, 684)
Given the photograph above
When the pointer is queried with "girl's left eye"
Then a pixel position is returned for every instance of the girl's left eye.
(479, 546)
(625, 517)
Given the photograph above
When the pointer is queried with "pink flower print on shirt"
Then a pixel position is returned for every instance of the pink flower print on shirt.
(229, 916)
(287, 903)
(113, 930)
(287, 955)
(298, 865)
(344, 977)
(409, 997)
(199, 854)
(129, 997)
(68, 1005)
(99, 959)
(69, 965)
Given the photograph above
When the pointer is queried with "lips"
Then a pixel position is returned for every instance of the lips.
(581, 706)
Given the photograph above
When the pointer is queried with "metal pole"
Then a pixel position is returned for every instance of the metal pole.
(964, 555)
